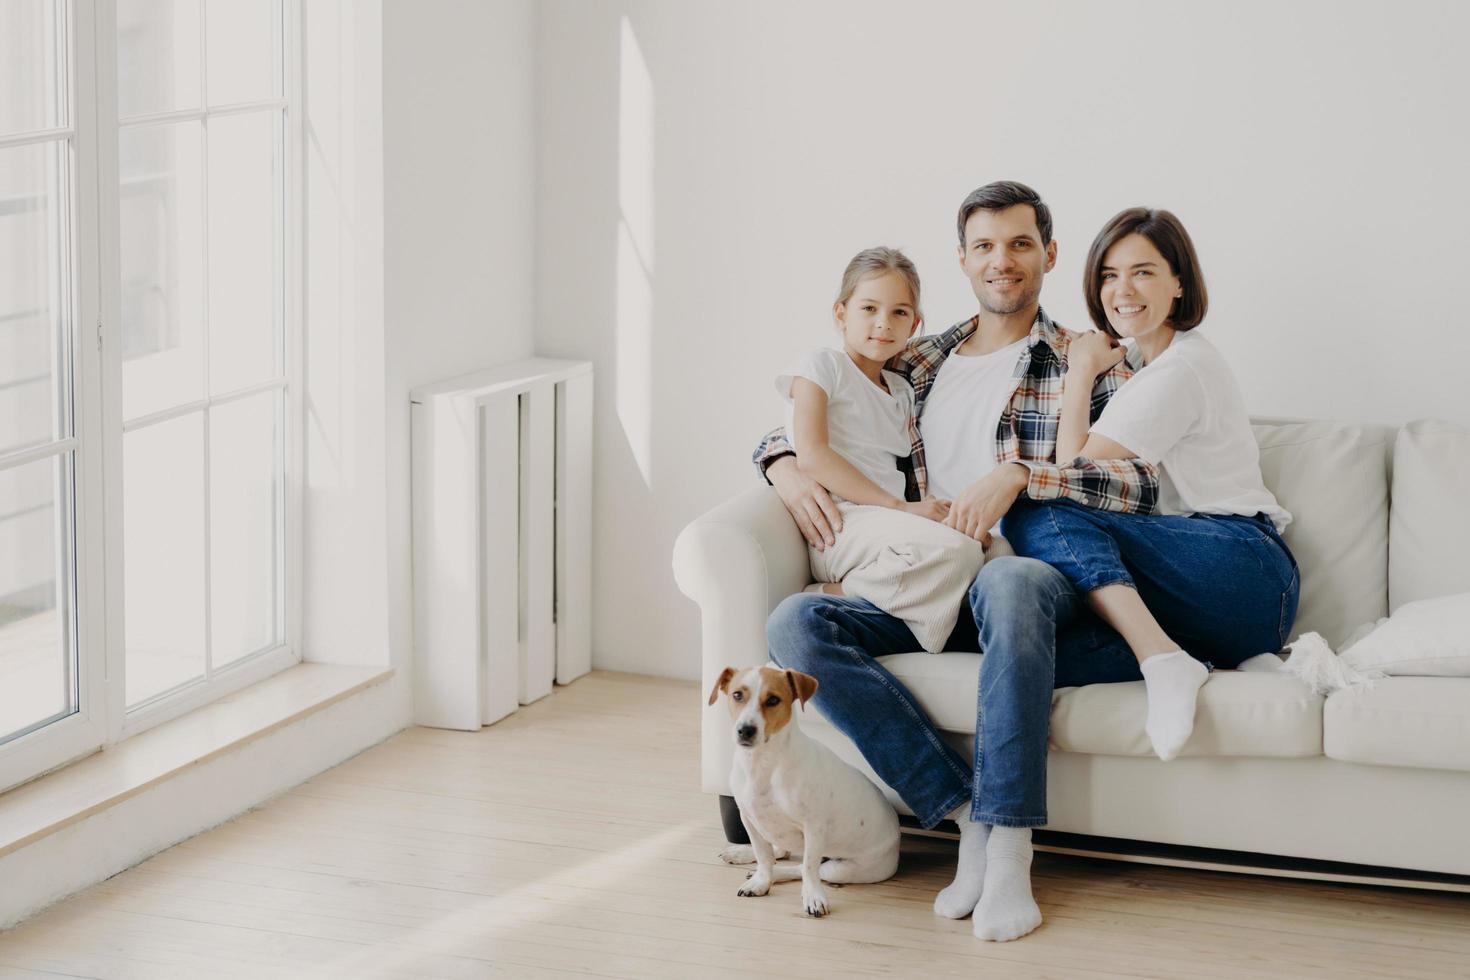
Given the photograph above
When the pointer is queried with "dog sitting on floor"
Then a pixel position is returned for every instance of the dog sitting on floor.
(796, 796)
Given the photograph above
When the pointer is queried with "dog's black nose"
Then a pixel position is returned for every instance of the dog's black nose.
(745, 733)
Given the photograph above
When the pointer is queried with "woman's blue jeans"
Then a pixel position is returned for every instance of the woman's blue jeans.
(1037, 633)
(1226, 588)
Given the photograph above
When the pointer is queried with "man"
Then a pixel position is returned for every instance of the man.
(987, 392)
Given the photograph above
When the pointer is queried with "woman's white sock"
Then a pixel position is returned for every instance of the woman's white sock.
(963, 894)
(1006, 910)
(1173, 681)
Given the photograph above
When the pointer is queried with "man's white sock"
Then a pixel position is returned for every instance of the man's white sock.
(963, 894)
(1006, 910)
(1173, 681)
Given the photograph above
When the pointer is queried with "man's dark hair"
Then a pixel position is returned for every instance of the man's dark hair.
(1004, 194)
(1169, 237)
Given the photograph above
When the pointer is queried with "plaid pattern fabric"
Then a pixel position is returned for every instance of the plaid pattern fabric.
(1027, 433)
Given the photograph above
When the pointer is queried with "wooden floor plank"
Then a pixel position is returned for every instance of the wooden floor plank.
(570, 840)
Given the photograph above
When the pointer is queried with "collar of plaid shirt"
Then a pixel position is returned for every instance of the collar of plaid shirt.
(1028, 424)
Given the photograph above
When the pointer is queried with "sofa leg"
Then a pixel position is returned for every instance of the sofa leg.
(730, 817)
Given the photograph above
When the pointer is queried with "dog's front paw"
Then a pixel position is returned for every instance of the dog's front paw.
(815, 902)
(738, 854)
(755, 886)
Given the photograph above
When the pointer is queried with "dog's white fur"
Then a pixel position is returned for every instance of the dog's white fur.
(795, 795)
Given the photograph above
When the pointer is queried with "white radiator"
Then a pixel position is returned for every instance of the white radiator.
(502, 539)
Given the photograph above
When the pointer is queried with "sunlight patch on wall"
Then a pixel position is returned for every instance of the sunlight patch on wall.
(633, 377)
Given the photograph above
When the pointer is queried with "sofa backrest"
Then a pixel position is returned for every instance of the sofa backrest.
(1429, 527)
(1334, 479)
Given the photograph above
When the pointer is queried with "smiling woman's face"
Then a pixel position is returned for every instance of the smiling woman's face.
(1138, 287)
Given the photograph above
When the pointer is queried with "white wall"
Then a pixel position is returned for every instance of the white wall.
(706, 169)
(458, 156)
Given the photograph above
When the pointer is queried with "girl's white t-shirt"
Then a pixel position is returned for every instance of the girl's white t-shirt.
(867, 425)
(961, 416)
(1184, 413)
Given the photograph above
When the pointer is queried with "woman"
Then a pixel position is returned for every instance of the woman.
(1208, 577)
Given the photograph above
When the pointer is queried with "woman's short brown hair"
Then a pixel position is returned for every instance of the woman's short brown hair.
(1167, 234)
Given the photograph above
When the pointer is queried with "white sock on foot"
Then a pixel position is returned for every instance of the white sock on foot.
(963, 894)
(1173, 681)
(1006, 910)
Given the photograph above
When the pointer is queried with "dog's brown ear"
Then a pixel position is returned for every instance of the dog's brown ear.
(803, 686)
(720, 683)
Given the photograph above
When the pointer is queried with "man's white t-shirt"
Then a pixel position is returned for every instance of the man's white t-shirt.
(961, 415)
(1184, 413)
(867, 425)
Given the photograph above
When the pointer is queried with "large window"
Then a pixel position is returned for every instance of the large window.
(147, 402)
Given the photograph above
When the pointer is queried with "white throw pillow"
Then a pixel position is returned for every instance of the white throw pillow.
(1428, 638)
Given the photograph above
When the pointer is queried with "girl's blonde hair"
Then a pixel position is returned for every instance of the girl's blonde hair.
(874, 261)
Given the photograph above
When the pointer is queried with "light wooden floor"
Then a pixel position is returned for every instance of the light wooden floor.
(571, 839)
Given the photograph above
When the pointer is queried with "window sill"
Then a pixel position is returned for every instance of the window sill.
(37, 809)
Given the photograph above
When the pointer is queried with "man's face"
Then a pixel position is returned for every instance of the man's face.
(1004, 259)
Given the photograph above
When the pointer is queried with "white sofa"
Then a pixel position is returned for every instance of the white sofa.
(1380, 777)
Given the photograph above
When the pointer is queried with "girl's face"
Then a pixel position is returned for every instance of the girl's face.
(879, 317)
(1138, 288)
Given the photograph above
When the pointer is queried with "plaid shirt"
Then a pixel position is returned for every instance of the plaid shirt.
(1027, 433)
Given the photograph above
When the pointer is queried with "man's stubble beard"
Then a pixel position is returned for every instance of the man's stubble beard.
(1026, 299)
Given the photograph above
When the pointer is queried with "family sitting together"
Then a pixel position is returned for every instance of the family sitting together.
(1096, 512)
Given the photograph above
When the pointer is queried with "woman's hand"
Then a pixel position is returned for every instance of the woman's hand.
(930, 507)
(1093, 354)
(810, 505)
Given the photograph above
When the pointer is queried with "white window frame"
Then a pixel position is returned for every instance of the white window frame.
(95, 386)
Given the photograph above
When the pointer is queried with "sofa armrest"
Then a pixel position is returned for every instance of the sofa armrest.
(738, 561)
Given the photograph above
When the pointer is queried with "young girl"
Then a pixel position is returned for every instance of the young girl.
(850, 423)
(1209, 573)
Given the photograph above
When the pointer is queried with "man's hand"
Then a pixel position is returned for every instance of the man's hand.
(931, 507)
(986, 501)
(1093, 354)
(809, 503)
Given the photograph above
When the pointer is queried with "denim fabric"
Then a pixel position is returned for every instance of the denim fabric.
(1037, 633)
(1225, 587)
(835, 639)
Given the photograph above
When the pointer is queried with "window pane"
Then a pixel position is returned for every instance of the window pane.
(245, 196)
(37, 660)
(162, 231)
(242, 51)
(163, 555)
(244, 511)
(157, 56)
(31, 97)
(33, 294)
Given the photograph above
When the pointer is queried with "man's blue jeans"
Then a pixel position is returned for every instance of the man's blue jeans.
(1224, 587)
(1037, 634)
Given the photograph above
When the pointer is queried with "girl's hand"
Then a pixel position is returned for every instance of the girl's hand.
(1092, 354)
(931, 507)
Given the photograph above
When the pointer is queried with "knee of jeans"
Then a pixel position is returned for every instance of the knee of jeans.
(1011, 584)
(790, 626)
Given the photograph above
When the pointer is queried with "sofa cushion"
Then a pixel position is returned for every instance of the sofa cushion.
(1422, 722)
(1333, 478)
(1430, 523)
(1239, 714)
(946, 684)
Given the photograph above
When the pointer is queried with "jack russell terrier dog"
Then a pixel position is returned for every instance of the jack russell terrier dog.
(796, 795)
